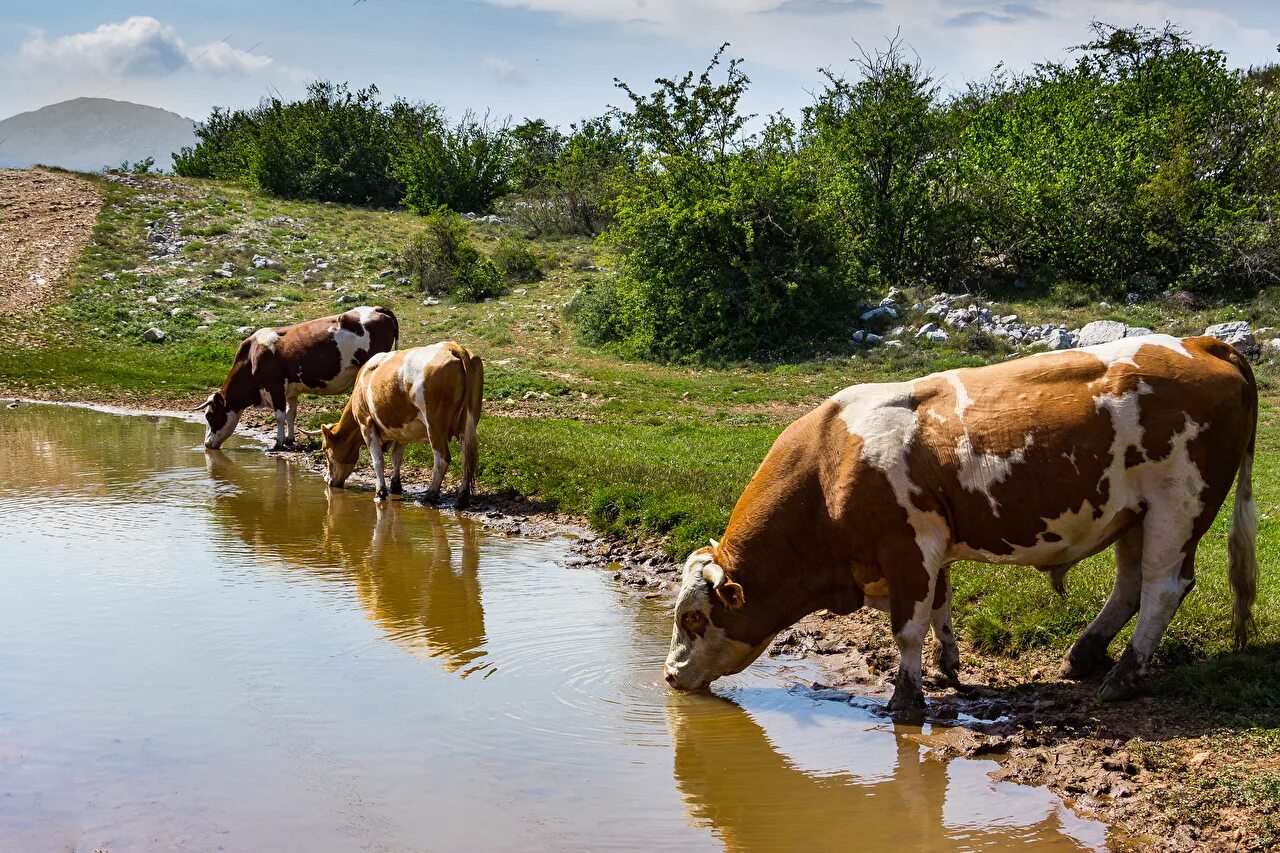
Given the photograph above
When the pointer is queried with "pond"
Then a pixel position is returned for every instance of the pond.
(205, 650)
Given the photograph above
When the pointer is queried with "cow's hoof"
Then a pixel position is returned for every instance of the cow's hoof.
(948, 676)
(277, 447)
(463, 501)
(1081, 665)
(907, 709)
(1122, 681)
(380, 495)
(432, 498)
(396, 488)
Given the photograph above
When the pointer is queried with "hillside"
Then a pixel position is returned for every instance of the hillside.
(88, 133)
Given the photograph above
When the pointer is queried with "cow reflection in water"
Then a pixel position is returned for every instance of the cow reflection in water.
(755, 798)
(406, 573)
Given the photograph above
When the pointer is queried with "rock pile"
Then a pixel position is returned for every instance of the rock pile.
(948, 313)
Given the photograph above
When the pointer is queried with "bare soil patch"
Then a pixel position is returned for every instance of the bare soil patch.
(45, 220)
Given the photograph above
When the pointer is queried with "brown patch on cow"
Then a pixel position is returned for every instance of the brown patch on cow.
(694, 623)
(816, 530)
(1050, 536)
(1035, 406)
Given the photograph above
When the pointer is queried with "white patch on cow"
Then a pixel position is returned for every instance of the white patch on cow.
(365, 380)
(963, 400)
(882, 415)
(980, 472)
(267, 338)
(696, 661)
(1122, 351)
(215, 439)
(413, 377)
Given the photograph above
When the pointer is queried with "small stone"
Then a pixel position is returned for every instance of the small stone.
(151, 300)
(937, 336)
(153, 335)
(429, 301)
(223, 273)
(175, 312)
(243, 330)
(1137, 332)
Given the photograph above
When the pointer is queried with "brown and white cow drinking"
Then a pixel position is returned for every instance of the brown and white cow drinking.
(426, 394)
(1041, 461)
(274, 366)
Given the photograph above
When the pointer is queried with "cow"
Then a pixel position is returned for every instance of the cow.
(1039, 461)
(425, 394)
(274, 366)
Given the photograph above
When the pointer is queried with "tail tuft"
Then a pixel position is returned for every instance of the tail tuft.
(1242, 569)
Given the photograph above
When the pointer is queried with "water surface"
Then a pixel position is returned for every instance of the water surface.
(213, 651)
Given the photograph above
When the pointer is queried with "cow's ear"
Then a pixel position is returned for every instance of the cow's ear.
(731, 595)
(327, 431)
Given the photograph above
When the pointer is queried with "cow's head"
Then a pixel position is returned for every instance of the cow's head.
(340, 460)
(221, 420)
(713, 635)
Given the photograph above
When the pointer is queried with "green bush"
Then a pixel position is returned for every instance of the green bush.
(723, 250)
(517, 262)
(442, 259)
(465, 166)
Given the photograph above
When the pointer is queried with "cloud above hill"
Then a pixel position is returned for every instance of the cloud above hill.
(138, 47)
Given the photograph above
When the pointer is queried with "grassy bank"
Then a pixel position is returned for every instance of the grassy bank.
(640, 449)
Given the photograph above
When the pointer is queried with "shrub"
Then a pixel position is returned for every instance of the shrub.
(517, 262)
(442, 259)
(465, 166)
(723, 250)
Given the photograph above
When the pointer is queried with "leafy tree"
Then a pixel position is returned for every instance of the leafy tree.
(464, 166)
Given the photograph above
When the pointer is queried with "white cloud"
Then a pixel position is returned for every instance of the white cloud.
(138, 48)
(961, 39)
(501, 69)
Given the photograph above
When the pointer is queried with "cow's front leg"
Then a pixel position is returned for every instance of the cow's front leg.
(397, 457)
(910, 607)
(375, 456)
(278, 405)
(290, 417)
(948, 661)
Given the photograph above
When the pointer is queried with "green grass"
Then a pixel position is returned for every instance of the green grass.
(638, 449)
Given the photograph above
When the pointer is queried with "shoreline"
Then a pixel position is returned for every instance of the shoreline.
(1041, 731)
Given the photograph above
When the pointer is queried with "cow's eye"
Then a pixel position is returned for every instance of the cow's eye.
(694, 621)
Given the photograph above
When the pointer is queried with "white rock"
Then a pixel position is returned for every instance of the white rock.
(430, 301)
(1101, 332)
(1137, 332)
(377, 286)
(175, 312)
(926, 329)
(223, 273)
(897, 330)
(151, 300)
(858, 336)
(937, 336)
(882, 311)
(153, 335)
(172, 298)
(887, 302)
(893, 343)
(1238, 334)
(1273, 345)
(243, 330)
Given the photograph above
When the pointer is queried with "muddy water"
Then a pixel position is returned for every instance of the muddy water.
(212, 651)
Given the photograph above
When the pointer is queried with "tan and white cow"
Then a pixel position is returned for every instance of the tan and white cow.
(1039, 461)
(425, 394)
(273, 367)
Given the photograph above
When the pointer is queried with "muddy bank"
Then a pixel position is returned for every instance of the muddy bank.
(1137, 765)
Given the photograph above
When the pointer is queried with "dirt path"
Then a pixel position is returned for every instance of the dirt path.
(45, 220)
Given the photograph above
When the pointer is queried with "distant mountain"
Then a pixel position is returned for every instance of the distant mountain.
(89, 133)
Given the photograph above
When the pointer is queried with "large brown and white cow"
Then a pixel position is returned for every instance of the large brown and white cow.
(425, 394)
(1041, 461)
(273, 367)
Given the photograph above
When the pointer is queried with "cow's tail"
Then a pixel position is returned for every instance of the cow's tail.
(1242, 551)
(469, 417)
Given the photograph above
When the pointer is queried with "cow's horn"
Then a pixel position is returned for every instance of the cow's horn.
(715, 543)
(714, 573)
(206, 404)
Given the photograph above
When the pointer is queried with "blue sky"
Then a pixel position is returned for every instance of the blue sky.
(550, 58)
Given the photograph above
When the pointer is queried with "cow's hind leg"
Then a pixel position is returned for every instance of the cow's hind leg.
(375, 456)
(948, 660)
(1168, 574)
(1089, 656)
(439, 469)
(397, 457)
